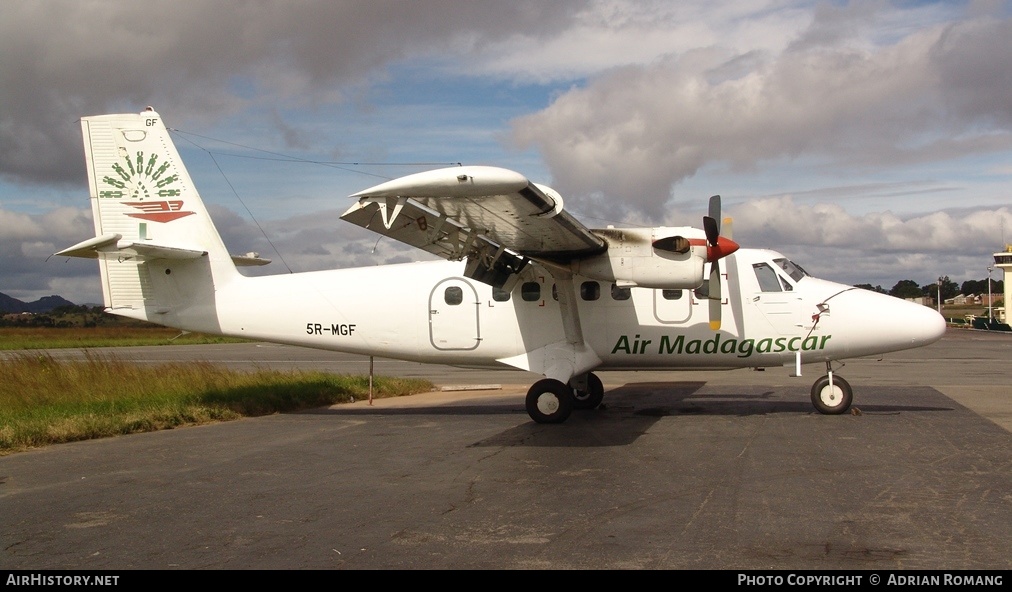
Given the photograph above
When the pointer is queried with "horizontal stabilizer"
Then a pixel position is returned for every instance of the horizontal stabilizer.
(249, 260)
(88, 249)
(151, 251)
(112, 246)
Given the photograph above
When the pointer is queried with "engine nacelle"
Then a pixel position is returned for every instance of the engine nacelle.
(662, 258)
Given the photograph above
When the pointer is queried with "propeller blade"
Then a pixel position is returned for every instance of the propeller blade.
(711, 229)
(716, 247)
(714, 211)
(715, 295)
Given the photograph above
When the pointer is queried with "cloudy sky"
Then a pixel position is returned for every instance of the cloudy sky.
(870, 141)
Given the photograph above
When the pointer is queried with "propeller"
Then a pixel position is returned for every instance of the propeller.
(717, 247)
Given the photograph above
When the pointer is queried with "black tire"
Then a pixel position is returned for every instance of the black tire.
(549, 401)
(832, 401)
(592, 397)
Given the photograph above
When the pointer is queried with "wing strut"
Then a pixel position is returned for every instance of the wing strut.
(564, 287)
(566, 358)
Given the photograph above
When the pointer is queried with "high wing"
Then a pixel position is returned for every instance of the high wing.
(493, 217)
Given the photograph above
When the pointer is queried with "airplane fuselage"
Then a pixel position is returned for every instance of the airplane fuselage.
(428, 312)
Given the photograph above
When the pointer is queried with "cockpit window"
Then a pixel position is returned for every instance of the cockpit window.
(768, 281)
(793, 269)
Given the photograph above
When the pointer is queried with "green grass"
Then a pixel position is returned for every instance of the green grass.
(44, 401)
(20, 338)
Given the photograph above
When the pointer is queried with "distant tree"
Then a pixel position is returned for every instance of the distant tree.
(41, 321)
(980, 286)
(906, 289)
(878, 289)
(949, 289)
(69, 309)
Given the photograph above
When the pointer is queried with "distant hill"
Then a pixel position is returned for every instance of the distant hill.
(44, 304)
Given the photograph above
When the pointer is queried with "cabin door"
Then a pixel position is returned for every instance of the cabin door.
(453, 315)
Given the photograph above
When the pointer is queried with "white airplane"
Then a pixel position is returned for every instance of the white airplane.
(523, 285)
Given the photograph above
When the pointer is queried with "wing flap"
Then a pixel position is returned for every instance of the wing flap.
(449, 212)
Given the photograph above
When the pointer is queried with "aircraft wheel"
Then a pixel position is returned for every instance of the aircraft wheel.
(832, 401)
(549, 401)
(590, 398)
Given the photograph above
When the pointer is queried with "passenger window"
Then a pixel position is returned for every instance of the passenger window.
(590, 290)
(500, 295)
(530, 291)
(555, 292)
(768, 281)
(618, 293)
(453, 295)
(671, 294)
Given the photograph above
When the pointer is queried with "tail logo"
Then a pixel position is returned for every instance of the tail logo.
(138, 178)
(158, 211)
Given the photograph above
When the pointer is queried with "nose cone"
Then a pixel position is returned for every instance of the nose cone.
(921, 325)
(876, 323)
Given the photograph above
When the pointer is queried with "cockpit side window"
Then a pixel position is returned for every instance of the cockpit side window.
(768, 281)
(793, 269)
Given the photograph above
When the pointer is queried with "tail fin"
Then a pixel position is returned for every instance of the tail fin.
(158, 250)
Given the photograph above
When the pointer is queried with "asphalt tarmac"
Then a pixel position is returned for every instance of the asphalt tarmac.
(704, 470)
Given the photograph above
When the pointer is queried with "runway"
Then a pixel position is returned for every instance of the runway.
(709, 470)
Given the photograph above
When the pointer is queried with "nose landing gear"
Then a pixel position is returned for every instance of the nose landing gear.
(831, 394)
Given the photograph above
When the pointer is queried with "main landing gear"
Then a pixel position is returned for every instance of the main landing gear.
(552, 401)
(831, 394)
(588, 393)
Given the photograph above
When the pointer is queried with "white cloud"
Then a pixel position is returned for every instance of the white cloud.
(877, 248)
(210, 59)
(634, 132)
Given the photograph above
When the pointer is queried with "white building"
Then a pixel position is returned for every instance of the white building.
(1003, 261)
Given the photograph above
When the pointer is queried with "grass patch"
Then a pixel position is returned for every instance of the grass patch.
(19, 338)
(44, 401)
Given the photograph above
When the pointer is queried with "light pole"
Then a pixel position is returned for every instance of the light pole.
(939, 295)
(989, 315)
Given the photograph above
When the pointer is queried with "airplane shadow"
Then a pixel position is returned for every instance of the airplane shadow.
(630, 410)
